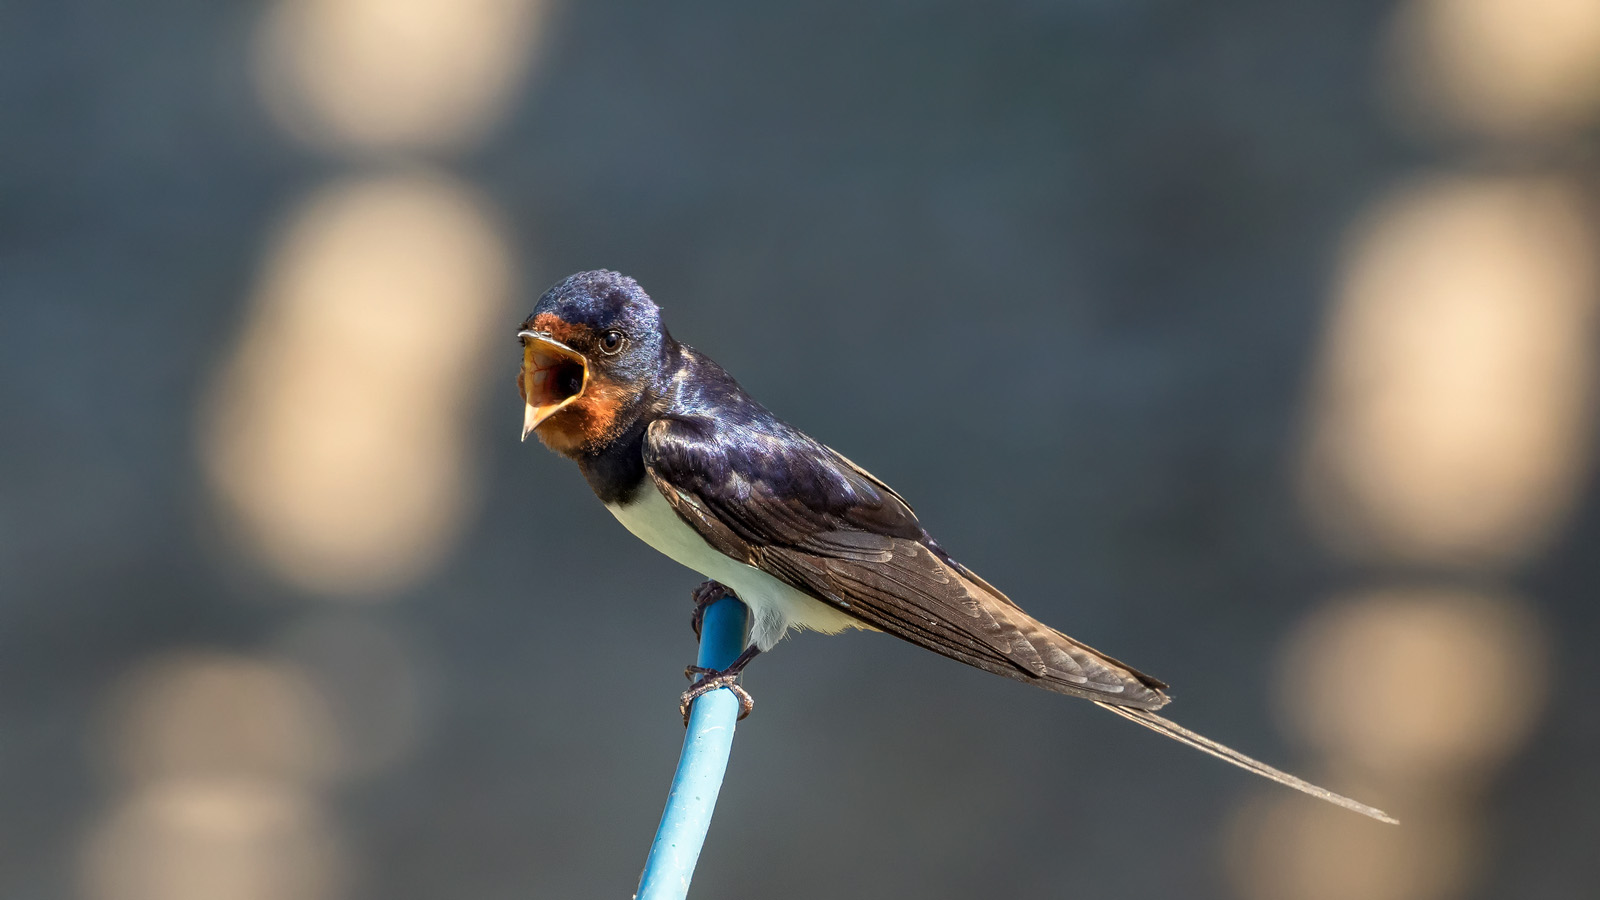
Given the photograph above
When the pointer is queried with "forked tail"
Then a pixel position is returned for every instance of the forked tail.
(1179, 733)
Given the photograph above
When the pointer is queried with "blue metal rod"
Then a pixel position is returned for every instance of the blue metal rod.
(706, 746)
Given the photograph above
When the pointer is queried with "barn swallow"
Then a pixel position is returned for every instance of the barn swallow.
(694, 467)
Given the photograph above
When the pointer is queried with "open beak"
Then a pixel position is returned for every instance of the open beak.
(553, 375)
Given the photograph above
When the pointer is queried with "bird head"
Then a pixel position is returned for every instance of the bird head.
(590, 353)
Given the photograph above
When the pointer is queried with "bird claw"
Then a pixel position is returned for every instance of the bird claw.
(711, 680)
(706, 594)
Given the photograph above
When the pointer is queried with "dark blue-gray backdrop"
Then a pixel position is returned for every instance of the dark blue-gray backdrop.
(1063, 273)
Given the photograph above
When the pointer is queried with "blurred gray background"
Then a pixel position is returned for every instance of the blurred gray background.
(1251, 341)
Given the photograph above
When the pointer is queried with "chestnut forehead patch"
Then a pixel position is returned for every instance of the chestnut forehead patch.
(558, 328)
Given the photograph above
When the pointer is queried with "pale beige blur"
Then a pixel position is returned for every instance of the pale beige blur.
(336, 433)
(384, 75)
(1450, 431)
(1498, 68)
(1416, 685)
(215, 715)
(1413, 695)
(214, 839)
(335, 439)
(1455, 405)
(221, 756)
(1284, 847)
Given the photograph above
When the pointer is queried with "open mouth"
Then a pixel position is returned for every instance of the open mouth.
(553, 375)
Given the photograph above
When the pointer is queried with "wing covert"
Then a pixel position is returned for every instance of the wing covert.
(803, 513)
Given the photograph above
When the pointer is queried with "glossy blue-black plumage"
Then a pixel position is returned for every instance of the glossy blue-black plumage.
(765, 493)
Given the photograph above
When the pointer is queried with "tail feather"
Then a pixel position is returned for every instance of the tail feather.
(1199, 742)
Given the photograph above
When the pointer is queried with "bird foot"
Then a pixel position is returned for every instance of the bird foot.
(706, 594)
(711, 680)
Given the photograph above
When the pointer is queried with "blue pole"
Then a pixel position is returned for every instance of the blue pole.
(706, 745)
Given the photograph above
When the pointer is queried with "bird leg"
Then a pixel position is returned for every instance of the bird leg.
(706, 594)
(712, 679)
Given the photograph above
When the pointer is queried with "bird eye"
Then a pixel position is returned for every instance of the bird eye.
(612, 341)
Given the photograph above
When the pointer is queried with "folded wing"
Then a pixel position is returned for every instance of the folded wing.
(811, 518)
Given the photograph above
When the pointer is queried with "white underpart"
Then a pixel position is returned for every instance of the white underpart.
(776, 607)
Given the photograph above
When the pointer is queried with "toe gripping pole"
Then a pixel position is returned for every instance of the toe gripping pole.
(706, 745)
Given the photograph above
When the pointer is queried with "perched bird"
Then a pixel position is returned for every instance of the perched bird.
(695, 468)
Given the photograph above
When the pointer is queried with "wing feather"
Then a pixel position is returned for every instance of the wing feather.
(824, 525)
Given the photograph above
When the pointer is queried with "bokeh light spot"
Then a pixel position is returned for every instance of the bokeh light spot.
(214, 839)
(336, 433)
(1284, 847)
(1499, 68)
(384, 75)
(218, 715)
(1421, 685)
(1454, 415)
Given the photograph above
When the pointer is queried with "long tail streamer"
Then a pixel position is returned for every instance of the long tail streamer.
(1200, 742)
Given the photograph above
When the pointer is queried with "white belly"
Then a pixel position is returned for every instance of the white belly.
(775, 607)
